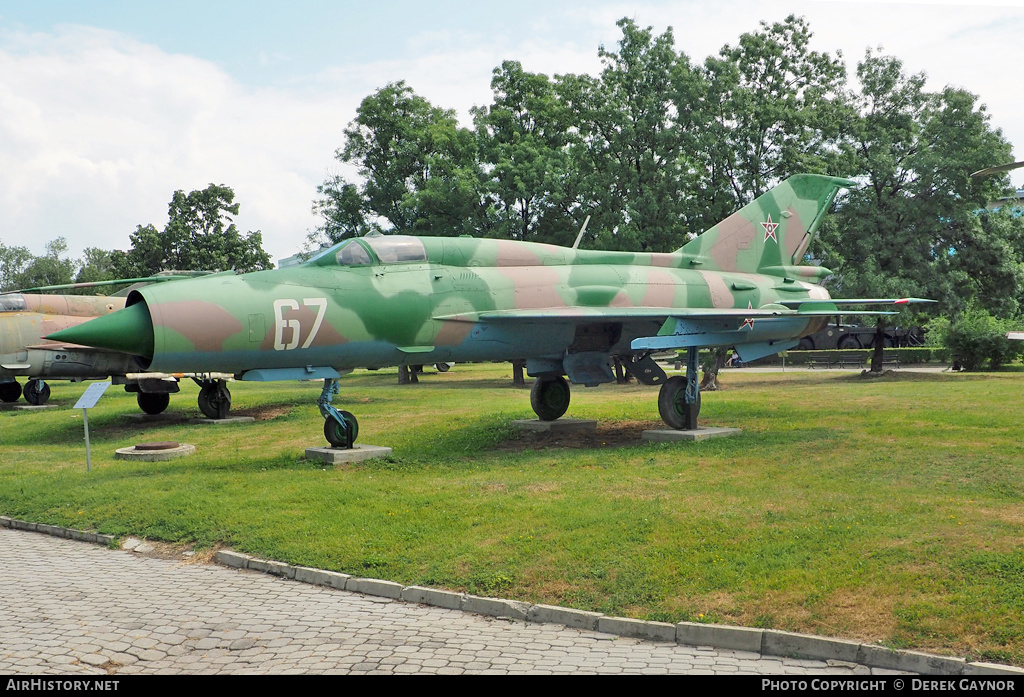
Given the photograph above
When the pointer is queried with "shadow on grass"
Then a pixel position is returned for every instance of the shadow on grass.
(913, 376)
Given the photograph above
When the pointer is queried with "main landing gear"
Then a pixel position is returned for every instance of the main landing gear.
(549, 397)
(153, 403)
(678, 401)
(36, 392)
(679, 398)
(340, 427)
(10, 391)
(214, 399)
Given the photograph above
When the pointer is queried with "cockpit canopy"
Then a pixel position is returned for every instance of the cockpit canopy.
(12, 302)
(351, 253)
(386, 249)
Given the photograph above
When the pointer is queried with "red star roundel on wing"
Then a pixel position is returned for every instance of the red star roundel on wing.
(748, 323)
(769, 229)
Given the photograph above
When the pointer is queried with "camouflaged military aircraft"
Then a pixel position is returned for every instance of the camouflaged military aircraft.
(390, 300)
(26, 317)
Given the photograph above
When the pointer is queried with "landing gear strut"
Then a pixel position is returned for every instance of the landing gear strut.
(550, 397)
(10, 391)
(36, 392)
(340, 427)
(679, 398)
(214, 399)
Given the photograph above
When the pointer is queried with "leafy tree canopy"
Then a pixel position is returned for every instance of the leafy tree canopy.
(657, 148)
(22, 270)
(199, 235)
(915, 227)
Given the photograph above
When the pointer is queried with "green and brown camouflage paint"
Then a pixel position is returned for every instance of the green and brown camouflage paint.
(392, 300)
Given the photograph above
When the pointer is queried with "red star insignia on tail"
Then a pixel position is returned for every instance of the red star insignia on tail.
(769, 229)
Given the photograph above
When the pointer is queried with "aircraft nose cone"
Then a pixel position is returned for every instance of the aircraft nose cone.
(128, 331)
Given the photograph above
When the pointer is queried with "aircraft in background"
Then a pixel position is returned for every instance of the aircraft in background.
(386, 300)
(998, 169)
(25, 318)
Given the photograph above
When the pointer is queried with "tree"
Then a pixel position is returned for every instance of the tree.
(636, 136)
(419, 171)
(523, 142)
(918, 211)
(96, 265)
(775, 109)
(49, 269)
(984, 264)
(199, 235)
(974, 338)
(342, 207)
(13, 261)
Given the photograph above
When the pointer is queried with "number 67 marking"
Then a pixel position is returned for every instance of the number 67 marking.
(280, 323)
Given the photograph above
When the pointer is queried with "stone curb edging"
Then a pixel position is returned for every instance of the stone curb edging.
(55, 531)
(764, 641)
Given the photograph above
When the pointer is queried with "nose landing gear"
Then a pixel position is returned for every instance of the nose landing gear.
(340, 427)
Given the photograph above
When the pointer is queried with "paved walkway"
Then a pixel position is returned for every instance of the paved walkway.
(75, 608)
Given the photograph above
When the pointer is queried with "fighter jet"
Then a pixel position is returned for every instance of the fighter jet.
(25, 318)
(389, 300)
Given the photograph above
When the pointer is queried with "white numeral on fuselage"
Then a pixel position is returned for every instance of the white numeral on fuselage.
(292, 325)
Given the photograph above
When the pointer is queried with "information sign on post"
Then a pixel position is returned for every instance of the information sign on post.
(86, 402)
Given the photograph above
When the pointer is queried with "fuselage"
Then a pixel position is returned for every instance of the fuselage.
(393, 300)
(26, 318)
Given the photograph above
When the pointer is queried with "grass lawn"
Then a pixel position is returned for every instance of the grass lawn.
(887, 510)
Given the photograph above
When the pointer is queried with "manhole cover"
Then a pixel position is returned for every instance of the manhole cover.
(158, 445)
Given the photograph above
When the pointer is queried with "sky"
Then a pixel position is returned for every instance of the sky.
(107, 108)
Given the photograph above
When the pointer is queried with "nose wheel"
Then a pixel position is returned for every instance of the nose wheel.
(341, 434)
(340, 427)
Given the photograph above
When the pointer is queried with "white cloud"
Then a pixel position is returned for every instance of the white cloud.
(98, 129)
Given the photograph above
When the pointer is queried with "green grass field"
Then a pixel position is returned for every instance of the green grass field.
(887, 510)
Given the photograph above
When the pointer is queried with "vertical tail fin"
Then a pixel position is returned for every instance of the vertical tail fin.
(773, 231)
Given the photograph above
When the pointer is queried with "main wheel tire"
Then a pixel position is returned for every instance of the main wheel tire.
(10, 391)
(672, 406)
(153, 402)
(550, 397)
(848, 342)
(36, 392)
(215, 401)
(442, 367)
(335, 434)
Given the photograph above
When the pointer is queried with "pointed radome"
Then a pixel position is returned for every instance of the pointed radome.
(129, 331)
